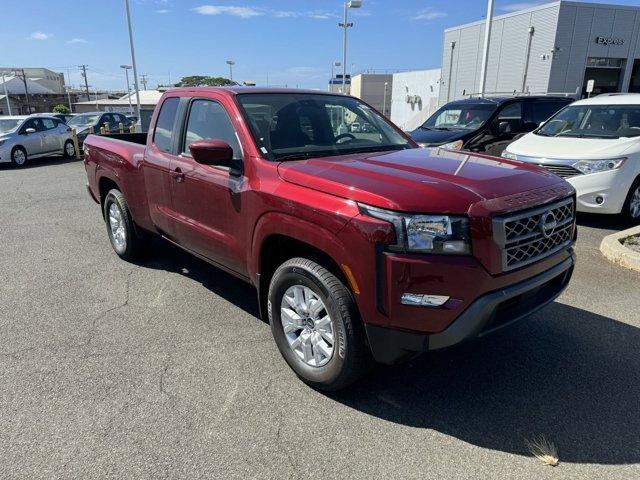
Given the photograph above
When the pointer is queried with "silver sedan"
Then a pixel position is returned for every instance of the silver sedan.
(28, 137)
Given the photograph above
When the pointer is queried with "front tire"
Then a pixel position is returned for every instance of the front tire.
(125, 242)
(18, 156)
(631, 209)
(316, 326)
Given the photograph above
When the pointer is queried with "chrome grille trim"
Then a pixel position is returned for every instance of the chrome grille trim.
(522, 240)
(561, 170)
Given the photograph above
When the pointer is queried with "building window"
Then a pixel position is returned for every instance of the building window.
(603, 62)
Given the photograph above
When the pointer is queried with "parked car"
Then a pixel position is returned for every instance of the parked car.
(355, 127)
(27, 137)
(86, 123)
(360, 246)
(594, 144)
(64, 117)
(486, 124)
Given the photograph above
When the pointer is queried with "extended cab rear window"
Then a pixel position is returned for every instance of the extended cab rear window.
(162, 137)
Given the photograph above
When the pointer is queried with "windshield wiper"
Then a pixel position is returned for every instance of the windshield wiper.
(304, 155)
(424, 128)
(375, 148)
(443, 128)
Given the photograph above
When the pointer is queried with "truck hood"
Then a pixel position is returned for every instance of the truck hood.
(532, 145)
(417, 180)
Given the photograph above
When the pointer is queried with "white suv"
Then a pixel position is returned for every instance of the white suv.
(594, 144)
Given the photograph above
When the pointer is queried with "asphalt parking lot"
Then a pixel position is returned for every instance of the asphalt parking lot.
(163, 370)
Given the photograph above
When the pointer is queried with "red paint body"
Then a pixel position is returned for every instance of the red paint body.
(228, 219)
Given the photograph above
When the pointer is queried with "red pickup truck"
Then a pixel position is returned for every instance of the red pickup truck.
(361, 245)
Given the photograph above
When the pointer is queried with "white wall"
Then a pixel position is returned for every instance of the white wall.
(425, 84)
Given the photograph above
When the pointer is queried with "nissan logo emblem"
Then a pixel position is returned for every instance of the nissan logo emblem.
(548, 224)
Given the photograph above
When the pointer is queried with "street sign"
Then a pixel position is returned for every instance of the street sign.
(590, 85)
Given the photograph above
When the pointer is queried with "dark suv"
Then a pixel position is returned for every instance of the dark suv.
(486, 124)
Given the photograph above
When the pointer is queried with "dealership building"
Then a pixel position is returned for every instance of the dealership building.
(551, 48)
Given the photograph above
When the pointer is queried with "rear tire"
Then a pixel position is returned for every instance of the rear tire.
(18, 156)
(317, 326)
(69, 150)
(120, 227)
(631, 208)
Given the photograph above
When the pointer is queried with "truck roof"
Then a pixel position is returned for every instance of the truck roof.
(235, 90)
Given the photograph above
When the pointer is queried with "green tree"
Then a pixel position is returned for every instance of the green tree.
(204, 81)
(60, 108)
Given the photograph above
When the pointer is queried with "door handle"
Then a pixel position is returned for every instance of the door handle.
(177, 175)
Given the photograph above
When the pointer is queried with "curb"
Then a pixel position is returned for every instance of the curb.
(613, 250)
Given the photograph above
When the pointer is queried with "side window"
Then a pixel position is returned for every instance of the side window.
(48, 123)
(543, 110)
(164, 125)
(209, 120)
(511, 114)
(38, 125)
(29, 124)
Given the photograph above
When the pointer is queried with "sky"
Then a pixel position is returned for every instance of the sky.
(273, 42)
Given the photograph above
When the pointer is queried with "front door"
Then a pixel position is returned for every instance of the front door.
(33, 142)
(156, 167)
(207, 199)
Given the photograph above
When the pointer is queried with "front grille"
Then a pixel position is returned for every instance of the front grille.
(531, 235)
(563, 171)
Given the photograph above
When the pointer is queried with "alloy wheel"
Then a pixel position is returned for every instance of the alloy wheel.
(307, 325)
(19, 157)
(117, 227)
(70, 150)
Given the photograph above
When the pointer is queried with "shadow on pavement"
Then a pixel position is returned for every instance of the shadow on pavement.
(603, 222)
(566, 373)
(165, 256)
(39, 162)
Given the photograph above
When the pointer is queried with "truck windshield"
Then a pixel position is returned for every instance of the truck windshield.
(594, 121)
(289, 126)
(459, 117)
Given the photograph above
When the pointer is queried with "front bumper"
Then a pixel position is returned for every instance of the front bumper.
(486, 314)
(608, 188)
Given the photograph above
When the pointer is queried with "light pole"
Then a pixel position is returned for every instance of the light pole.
(6, 94)
(345, 25)
(384, 100)
(231, 63)
(133, 59)
(68, 90)
(333, 73)
(126, 69)
(485, 53)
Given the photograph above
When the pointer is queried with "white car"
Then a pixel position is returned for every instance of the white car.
(595, 145)
(26, 137)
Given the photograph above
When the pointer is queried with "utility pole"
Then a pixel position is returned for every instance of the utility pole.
(231, 63)
(26, 88)
(143, 81)
(86, 82)
(133, 59)
(6, 94)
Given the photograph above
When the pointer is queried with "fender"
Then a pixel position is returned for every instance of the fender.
(276, 223)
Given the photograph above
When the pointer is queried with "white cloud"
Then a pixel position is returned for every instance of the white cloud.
(429, 14)
(513, 7)
(242, 12)
(40, 36)
(76, 40)
(250, 12)
(164, 10)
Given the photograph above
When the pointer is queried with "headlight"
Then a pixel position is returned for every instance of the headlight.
(509, 155)
(443, 234)
(457, 145)
(595, 166)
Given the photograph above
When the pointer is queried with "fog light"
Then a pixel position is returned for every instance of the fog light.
(599, 200)
(418, 300)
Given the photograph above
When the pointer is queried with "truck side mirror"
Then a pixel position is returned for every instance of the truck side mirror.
(212, 152)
